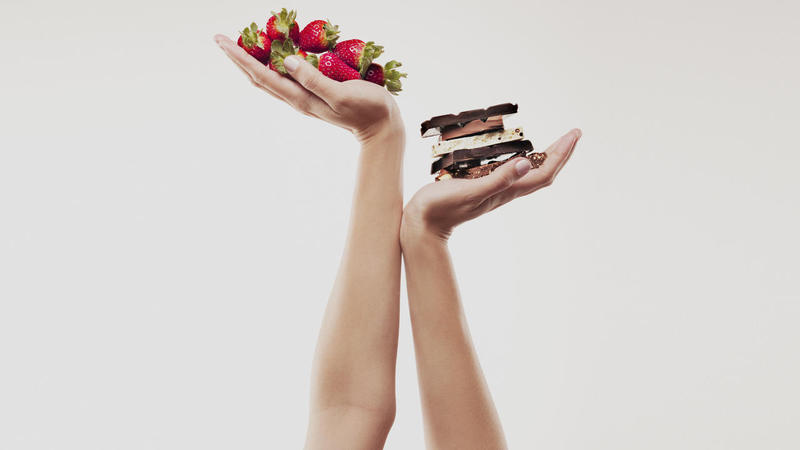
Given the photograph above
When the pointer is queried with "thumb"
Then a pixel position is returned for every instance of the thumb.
(310, 77)
(501, 178)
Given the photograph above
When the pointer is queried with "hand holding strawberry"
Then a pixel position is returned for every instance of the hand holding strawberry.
(343, 61)
(366, 109)
(344, 86)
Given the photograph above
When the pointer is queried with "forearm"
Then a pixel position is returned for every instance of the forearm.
(354, 363)
(457, 406)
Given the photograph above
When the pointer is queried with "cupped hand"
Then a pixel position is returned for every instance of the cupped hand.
(438, 207)
(364, 108)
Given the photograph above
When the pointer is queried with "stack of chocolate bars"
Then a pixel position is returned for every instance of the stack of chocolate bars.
(474, 143)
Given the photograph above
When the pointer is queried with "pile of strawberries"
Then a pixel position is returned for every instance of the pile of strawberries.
(342, 61)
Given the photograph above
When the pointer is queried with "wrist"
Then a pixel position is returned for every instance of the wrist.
(415, 232)
(382, 123)
(382, 132)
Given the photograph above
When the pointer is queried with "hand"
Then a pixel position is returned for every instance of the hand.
(364, 108)
(438, 207)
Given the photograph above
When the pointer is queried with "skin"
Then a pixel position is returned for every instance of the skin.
(457, 407)
(352, 401)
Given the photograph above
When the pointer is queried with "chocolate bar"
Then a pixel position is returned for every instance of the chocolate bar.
(470, 157)
(474, 143)
(475, 127)
(481, 140)
(450, 122)
(536, 159)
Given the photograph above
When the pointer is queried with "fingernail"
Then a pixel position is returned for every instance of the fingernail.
(522, 167)
(291, 63)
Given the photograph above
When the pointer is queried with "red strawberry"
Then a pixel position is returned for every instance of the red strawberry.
(386, 76)
(332, 67)
(357, 54)
(282, 49)
(282, 23)
(319, 36)
(255, 42)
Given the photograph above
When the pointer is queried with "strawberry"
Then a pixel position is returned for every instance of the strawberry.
(255, 42)
(284, 48)
(332, 67)
(319, 36)
(357, 53)
(279, 24)
(386, 76)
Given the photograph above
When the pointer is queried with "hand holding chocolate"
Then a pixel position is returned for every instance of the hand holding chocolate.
(474, 143)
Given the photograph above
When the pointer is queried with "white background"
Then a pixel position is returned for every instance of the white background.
(169, 234)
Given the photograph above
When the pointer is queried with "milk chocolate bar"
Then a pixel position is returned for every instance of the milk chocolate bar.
(451, 122)
(470, 157)
(475, 127)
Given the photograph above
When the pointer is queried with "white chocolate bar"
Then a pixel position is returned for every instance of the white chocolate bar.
(480, 140)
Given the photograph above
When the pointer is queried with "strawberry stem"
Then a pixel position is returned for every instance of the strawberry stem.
(391, 77)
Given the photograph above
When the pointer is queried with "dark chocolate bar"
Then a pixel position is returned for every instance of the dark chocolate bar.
(433, 126)
(471, 157)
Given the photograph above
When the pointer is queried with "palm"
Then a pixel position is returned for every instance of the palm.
(445, 204)
(449, 202)
(355, 105)
(361, 102)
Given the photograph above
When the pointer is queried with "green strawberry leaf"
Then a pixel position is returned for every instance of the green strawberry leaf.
(331, 33)
(391, 77)
(370, 52)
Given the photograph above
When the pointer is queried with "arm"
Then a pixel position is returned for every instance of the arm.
(352, 384)
(353, 394)
(457, 406)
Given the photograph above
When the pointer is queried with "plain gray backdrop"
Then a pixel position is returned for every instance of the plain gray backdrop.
(169, 234)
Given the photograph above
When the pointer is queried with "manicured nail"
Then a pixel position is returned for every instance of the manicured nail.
(291, 63)
(522, 167)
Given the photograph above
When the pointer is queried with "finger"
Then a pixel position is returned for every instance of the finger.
(557, 155)
(499, 180)
(312, 79)
(241, 62)
(291, 92)
(254, 82)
